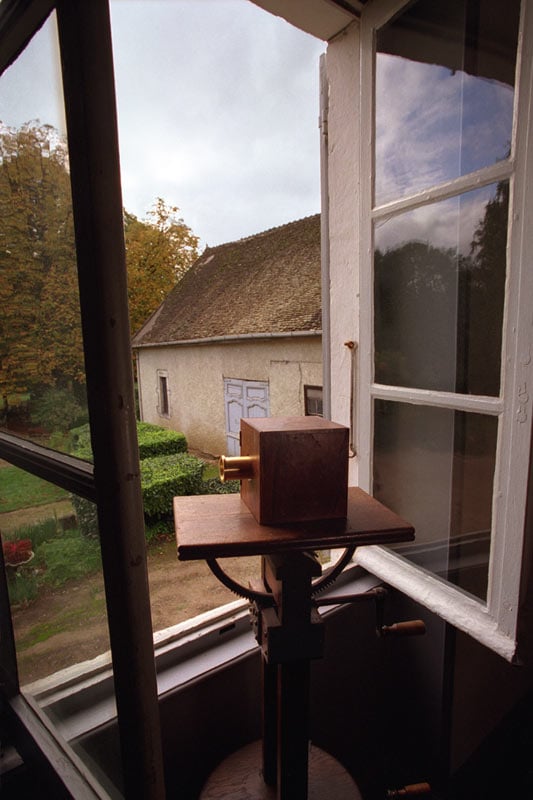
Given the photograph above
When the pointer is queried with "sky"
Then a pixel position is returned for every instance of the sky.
(218, 115)
(217, 108)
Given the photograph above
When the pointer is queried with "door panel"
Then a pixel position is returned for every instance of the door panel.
(242, 399)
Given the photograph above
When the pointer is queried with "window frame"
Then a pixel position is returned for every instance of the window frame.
(88, 89)
(163, 394)
(308, 390)
(495, 623)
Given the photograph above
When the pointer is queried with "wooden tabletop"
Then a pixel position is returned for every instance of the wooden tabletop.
(217, 526)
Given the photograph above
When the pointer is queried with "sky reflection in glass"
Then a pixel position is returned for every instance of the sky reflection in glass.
(433, 125)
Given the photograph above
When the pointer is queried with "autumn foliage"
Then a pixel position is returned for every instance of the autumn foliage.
(40, 336)
(40, 325)
(159, 250)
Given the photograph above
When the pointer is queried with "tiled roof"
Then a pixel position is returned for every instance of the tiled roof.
(267, 283)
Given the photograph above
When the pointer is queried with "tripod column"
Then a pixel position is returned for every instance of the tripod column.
(291, 634)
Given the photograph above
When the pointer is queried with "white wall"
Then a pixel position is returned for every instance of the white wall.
(196, 382)
(343, 148)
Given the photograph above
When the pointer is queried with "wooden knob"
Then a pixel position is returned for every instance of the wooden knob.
(411, 790)
(413, 627)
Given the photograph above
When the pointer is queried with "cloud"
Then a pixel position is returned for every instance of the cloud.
(448, 224)
(434, 125)
(218, 109)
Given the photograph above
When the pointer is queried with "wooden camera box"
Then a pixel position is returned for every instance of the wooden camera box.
(299, 468)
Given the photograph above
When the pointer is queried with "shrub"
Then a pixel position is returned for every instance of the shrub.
(215, 486)
(59, 557)
(159, 528)
(37, 533)
(22, 587)
(164, 477)
(57, 409)
(156, 441)
(153, 441)
(69, 556)
(86, 515)
(80, 438)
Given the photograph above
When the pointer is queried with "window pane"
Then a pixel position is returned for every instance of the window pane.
(58, 606)
(314, 405)
(182, 388)
(435, 467)
(42, 375)
(439, 294)
(444, 92)
(49, 537)
(52, 553)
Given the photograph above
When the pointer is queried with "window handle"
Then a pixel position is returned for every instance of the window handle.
(352, 346)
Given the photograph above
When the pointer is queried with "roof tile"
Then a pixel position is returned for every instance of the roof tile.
(267, 283)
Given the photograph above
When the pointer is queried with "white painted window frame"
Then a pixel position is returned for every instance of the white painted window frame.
(494, 623)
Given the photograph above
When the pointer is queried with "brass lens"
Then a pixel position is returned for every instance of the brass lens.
(235, 468)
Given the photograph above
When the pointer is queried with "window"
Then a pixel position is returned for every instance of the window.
(164, 404)
(313, 401)
(444, 368)
(92, 171)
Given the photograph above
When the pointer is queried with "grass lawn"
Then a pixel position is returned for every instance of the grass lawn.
(210, 471)
(19, 489)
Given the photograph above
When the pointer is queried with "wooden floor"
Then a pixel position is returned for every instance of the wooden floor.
(239, 778)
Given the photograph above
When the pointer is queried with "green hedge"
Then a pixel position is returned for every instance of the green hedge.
(81, 442)
(156, 441)
(86, 515)
(153, 441)
(164, 477)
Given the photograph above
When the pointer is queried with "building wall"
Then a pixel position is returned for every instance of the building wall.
(195, 376)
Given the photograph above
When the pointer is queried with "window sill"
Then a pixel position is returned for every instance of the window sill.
(459, 609)
(81, 698)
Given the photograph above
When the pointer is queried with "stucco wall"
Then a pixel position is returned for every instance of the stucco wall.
(196, 373)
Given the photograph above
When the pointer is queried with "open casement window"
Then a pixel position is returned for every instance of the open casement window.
(61, 229)
(444, 359)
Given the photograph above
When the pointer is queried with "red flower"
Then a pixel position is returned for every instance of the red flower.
(17, 552)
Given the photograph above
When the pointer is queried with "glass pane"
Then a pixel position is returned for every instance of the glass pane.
(49, 538)
(52, 555)
(58, 608)
(435, 467)
(439, 294)
(245, 69)
(42, 375)
(445, 75)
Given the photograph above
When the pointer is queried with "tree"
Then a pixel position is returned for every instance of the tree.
(159, 251)
(40, 328)
(40, 332)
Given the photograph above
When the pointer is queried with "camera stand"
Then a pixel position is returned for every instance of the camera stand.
(288, 629)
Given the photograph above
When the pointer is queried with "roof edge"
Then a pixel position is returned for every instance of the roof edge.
(229, 338)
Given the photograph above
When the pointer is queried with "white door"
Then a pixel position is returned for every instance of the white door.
(242, 399)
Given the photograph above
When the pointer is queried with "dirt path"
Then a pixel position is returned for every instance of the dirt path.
(69, 625)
